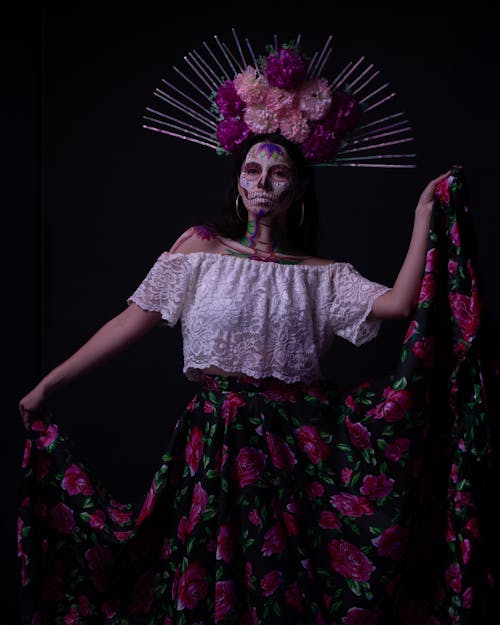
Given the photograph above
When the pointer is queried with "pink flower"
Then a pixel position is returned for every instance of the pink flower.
(122, 517)
(393, 406)
(428, 288)
(377, 486)
(431, 260)
(294, 597)
(51, 433)
(361, 616)
(351, 505)
(248, 466)
(424, 350)
(228, 101)
(412, 329)
(294, 126)
(194, 449)
(225, 544)
(349, 561)
(254, 517)
(392, 542)
(315, 98)
(442, 191)
(467, 598)
(465, 311)
(166, 550)
(395, 450)
(346, 475)
(328, 520)
(466, 550)
(453, 577)
(260, 119)
(271, 582)
(310, 442)
(275, 540)
(282, 456)
(225, 599)
(97, 519)
(27, 453)
(61, 518)
(314, 490)
(76, 481)
(193, 586)
(358, 434)
(148, 505)
(71, 617)
(231, 132)
(230, 407)
(251, 87)
(285, 69)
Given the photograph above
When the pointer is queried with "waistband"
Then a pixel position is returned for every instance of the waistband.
(227, 383)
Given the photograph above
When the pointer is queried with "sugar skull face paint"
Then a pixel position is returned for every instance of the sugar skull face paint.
(266, 181)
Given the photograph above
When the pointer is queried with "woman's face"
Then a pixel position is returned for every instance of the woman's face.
(267, 180)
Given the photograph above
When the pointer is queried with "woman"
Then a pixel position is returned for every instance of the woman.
(270, 505)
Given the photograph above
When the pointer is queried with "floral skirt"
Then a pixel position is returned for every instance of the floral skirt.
(273, 503)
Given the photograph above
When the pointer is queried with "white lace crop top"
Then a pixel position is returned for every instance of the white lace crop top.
(263, 319)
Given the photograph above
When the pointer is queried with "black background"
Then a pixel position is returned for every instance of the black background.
(92, 199)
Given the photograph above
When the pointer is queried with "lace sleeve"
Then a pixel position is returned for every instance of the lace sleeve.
(353, 297)
(164, 288)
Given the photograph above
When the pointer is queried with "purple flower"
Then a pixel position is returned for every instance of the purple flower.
(285, 70)
(228, 101)
(321, 144)
(344, 113)
(231, 132)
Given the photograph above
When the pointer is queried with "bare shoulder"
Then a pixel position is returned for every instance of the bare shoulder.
(195, 239)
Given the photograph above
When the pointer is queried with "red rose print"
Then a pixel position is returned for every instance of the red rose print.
(329, 520)
(394, 405)
(428, 288)
(351, 505)
(198, 504)
(194, 449)
(442, 191)
(294, 597)
(314, 490)
(395, 450)
(97, 519)
(193, 586)
(99, 557)
(225, 599)
(121, 536)
(358, 435)
(392, 542)
(225, 543)
(349, 561)
(249, 466)
(281, 455)
(76, 481)
(453, 576)
(61, 518)
(48, 434)
(71, 617)
(465, 311)
(431, 260)
(254, 517)
(412, 329)
(377, 486)
(148, 505)
(121, 517)
(455, 234)
(230, 407)
(424, 350)
(275, 540)
(271, 582)
(310, 442)
(452, 267)
(346, 475)
(361, 616)
(142, 594)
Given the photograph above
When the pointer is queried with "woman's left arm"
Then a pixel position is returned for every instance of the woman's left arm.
(401, 300)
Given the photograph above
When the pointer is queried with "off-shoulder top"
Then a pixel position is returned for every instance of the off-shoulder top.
(263, 319)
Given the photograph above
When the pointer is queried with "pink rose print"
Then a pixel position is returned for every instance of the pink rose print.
(361, 616)
(27, 453)
(71, 617)
(97, 519)
(467, 598)
(394, 405)
(194, 449)
(428, 288)
(424, 350)
(193, 586)
(254, 517)
(198, 503)
(225, 599)
(453, 576)
(346, 475)
(377, 486)
(328, 520)
(282, 456)
(119, 516)
(310, 442)
(395, 450)
(465, 311)
(412, 329)
(455, 234)
(248, 466)
(76, 481)
(166, 550)
(351, 403)
(99, 557)
(351, 505)
(358, 435)
(294, 597)
(148, 505)
(452, 267)
(271, 582)
(230, 407)
(275, 540)
(248, 574)
(314, 490)
(61, 518)
(225, 544)
(442, 191)
(431, 260)
(392, 542)
(466, 549)
(122, 536)
(349, 561)
(51, 433)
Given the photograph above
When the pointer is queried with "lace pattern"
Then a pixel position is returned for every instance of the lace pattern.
(261, 319)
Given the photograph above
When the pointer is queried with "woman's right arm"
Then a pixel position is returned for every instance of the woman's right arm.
(112, 338)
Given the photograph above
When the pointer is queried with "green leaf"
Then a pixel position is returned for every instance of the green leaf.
(400, 384)
(344, 447)
(354, 586)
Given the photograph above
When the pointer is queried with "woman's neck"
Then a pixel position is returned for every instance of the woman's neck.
(264, 235)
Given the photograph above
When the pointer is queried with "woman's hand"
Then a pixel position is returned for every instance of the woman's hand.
(426, 200)
(31, 406)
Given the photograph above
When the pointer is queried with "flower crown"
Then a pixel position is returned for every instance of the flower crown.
(283, 91)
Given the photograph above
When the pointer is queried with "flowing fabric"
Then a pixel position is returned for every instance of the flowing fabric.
(284, 502)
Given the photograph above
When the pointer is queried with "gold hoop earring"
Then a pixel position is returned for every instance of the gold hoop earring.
(238, 208)
(302, 213)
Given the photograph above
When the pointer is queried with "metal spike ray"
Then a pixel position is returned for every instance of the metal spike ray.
(192, 113)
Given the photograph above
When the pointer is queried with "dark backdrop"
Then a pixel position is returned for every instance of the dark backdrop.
(93, 199)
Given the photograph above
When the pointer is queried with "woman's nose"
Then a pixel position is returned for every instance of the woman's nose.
(263, 181)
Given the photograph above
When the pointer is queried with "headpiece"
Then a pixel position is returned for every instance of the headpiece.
(226, 96)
